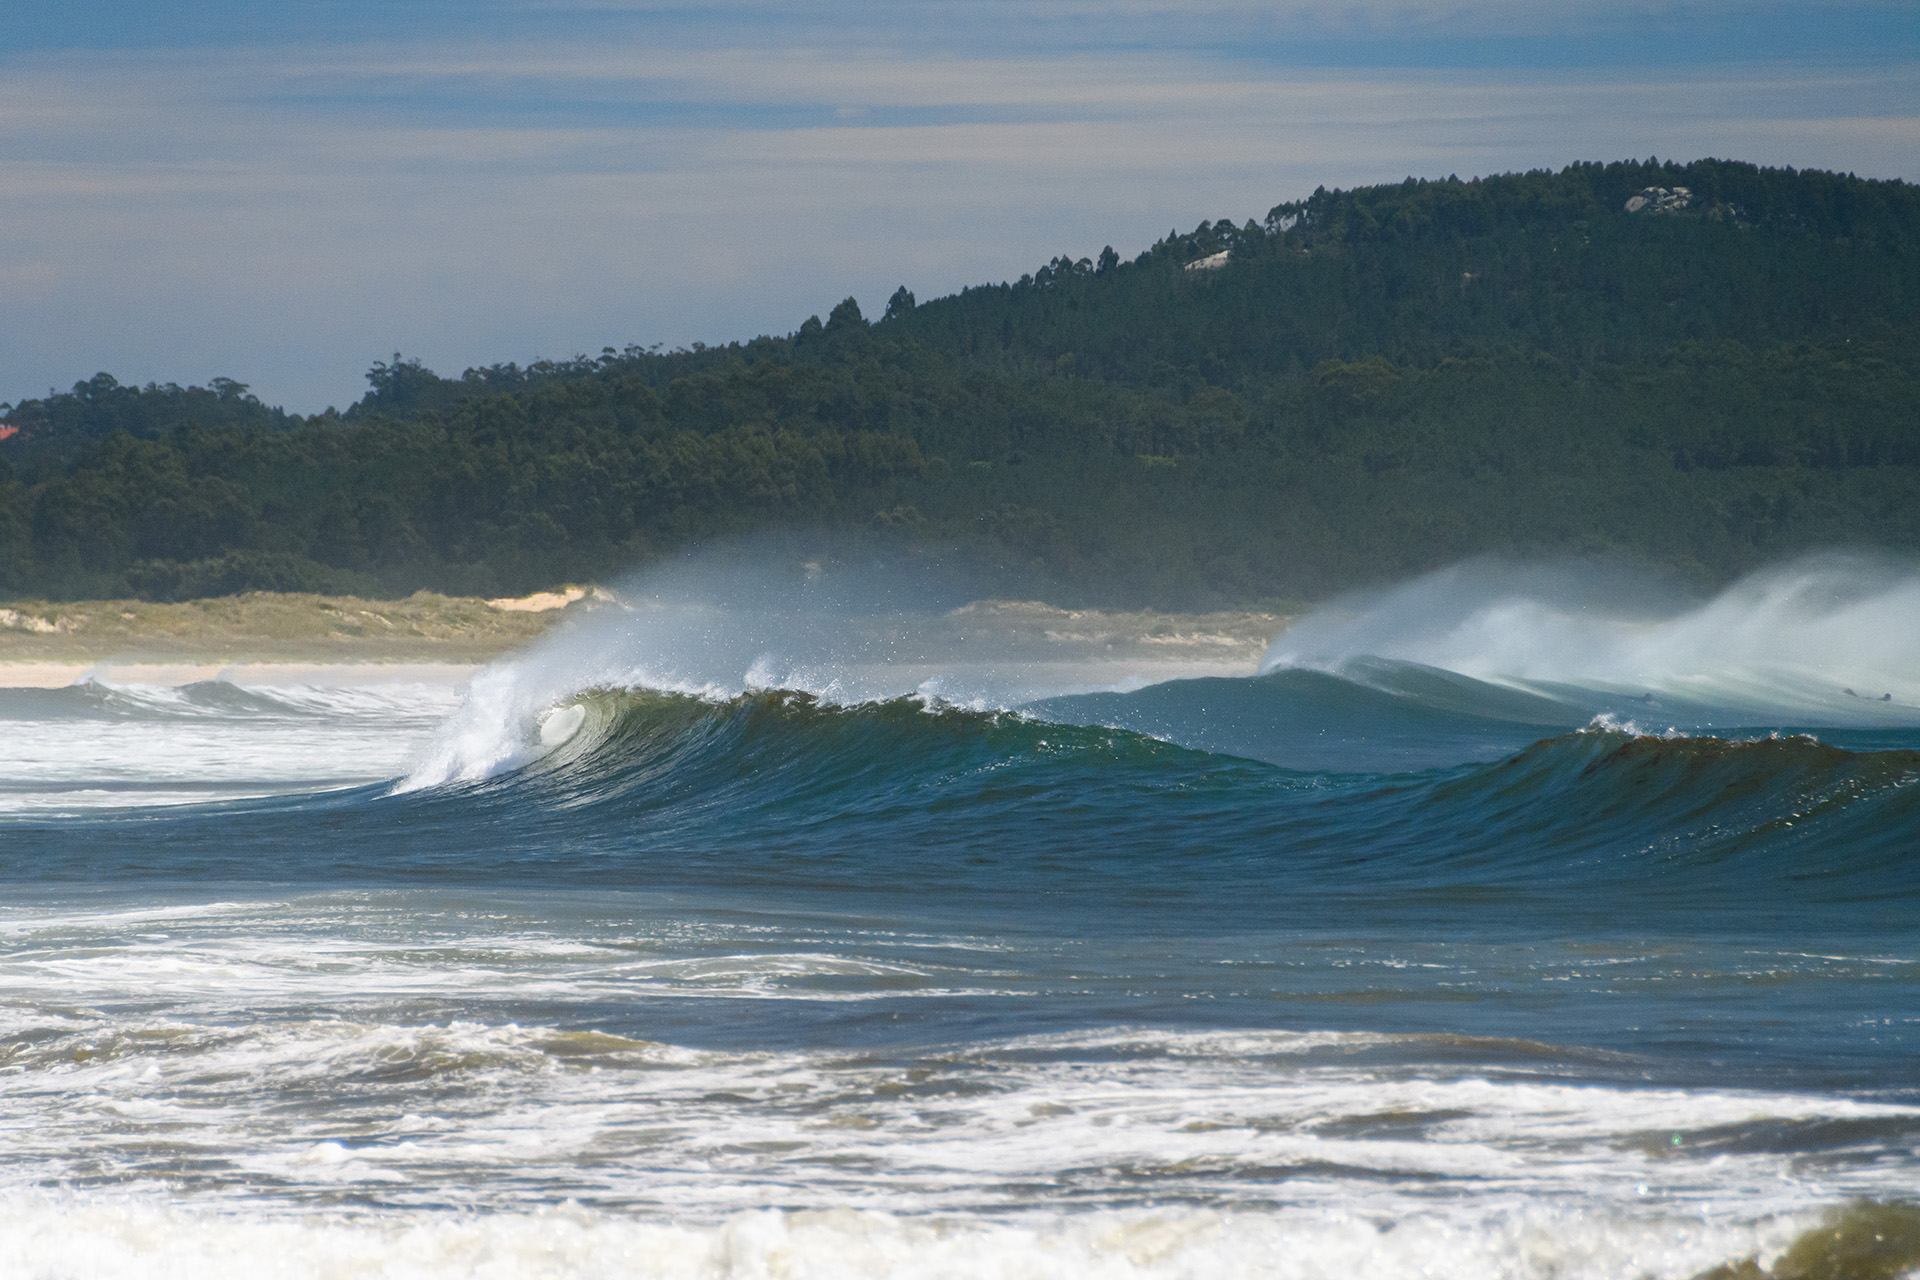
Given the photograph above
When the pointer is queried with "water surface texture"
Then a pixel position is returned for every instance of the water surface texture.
(1514, 923)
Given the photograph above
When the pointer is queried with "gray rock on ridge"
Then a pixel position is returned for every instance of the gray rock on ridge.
(1660, 200)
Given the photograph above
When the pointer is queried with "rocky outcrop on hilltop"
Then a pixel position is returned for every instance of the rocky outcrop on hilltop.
(1660, 200)
(1655, 200)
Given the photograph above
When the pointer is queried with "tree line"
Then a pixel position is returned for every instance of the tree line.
(1370, 383)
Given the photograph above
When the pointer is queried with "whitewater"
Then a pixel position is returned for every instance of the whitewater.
(780, 919)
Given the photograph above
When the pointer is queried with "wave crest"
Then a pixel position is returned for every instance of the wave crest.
(1830, 640)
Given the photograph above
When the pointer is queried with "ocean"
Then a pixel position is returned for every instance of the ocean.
(777, 921)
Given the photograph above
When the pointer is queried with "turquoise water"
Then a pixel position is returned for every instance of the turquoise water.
(662, 950)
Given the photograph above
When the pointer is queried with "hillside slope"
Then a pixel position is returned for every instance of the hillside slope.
(1704, 365)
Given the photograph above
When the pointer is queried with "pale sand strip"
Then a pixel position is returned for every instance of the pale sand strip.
(56, 675)
(1084, 673)
(268, 639)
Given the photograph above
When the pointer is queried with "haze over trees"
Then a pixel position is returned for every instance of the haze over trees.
(1359, 386)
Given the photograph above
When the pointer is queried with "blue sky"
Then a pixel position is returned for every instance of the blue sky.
(285, 193)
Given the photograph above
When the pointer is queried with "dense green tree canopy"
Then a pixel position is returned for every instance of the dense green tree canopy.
(1363, 384)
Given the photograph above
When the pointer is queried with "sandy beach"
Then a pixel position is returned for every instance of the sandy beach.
(270, 638)
(274, 628)
(56, 675)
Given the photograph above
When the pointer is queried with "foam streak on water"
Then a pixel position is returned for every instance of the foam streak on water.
(426, 1071)
(95, 745)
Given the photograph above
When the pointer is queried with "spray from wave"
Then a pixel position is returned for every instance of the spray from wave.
(1467, 663)
(1831, 639)
(737, 620)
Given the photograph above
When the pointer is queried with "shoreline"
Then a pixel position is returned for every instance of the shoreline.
(264, 628)
(59, 675)
(268, 638)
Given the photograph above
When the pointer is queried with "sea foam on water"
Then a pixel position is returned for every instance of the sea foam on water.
(67, 1238)
(1512, 925)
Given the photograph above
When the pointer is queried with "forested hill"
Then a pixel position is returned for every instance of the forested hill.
(1705, 365)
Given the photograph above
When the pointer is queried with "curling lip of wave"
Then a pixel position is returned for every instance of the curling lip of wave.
(602, 733)
(1605, 801)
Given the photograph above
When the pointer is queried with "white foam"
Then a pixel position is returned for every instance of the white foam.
(739, 627)
(76, 765)
(391, 1082)
(148, 746)
(1833, 637)
(294, 1105)
(94, 1237)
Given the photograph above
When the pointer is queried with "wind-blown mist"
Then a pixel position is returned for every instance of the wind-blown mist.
(1526, 649)
(736, 618)
(1834, 636)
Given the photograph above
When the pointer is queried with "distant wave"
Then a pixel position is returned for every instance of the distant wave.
(93, 699)
(1825, 640)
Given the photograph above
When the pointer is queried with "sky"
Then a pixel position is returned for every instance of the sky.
(285, 193)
